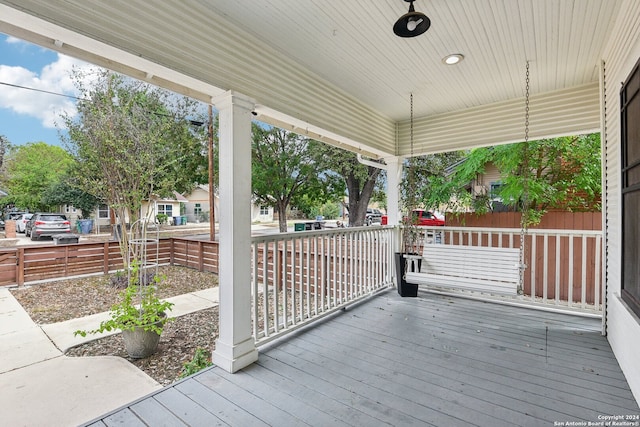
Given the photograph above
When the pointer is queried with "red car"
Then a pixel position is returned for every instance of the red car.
(422, 217)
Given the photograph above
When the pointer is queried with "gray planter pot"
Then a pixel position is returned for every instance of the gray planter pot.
(140, 343)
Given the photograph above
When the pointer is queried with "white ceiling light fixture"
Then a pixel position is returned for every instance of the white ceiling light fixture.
(453, 59)
(412, 23)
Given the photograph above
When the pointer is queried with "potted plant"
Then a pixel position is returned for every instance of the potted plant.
(162, 218)
(139, 314)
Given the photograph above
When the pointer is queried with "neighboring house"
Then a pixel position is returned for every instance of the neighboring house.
(101, 216)
(197, 207)
(168, 206)
(489, 183)
(260, 213)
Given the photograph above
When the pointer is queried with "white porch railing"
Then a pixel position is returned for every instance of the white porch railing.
(300, 277)
(563, 266)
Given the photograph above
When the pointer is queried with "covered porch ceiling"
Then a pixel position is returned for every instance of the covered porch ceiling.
(334, 70)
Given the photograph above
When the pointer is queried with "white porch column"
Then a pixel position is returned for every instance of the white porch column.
(394, 173)
(235, 347)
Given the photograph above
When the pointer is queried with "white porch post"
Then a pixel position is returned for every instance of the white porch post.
(394, 172)
(235, 347)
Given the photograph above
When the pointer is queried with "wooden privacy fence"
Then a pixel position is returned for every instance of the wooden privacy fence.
(558, 220)
(29, 264)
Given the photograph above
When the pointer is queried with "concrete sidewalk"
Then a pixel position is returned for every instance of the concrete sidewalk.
(39, 386)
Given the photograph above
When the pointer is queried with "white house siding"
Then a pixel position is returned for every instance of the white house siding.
(621, 54)
(491, 175)
(201, 196)
(149, 209)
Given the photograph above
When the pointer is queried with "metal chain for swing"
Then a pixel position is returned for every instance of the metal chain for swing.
(524, 217)
(410, 179)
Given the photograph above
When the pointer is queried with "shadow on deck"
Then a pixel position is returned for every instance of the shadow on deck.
(432, 360)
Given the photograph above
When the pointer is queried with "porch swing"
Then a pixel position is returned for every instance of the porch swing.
(491, 270)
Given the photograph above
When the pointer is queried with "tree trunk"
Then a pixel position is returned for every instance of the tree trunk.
(359, 198)
(282, 216)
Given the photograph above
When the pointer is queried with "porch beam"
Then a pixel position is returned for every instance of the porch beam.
(235, 347)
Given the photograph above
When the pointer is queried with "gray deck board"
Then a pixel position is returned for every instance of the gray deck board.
(268, 412)
(432, 360)
(476, 379)
(124, 418)
(218, 405)
(186, 409)
(155, 414)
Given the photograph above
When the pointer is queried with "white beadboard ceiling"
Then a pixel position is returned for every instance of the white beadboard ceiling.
(334, 69)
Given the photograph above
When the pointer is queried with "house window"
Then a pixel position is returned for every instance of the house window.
(630, 151)
(197, 210)
(103, 212)
(264, 210)
(494, 190)
(165, 209)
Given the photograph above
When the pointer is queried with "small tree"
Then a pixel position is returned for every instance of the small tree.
(563, 173)
(132, 141)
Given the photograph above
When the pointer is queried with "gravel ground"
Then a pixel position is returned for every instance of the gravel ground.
(68, 299)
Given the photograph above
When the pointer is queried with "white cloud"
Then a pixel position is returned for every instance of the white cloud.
(14, 40)
(54, 77)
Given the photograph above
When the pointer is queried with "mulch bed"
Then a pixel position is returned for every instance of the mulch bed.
(58, 301)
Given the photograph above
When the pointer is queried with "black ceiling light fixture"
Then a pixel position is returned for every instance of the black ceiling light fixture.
(412, 23)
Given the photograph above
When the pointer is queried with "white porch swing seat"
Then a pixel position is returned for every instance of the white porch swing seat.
(471, 268)
(491, 270)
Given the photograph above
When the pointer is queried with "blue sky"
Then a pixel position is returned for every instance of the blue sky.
(26, 115)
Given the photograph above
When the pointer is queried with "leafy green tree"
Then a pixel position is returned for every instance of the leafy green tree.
(131, 141)
(359, 180)
(559, 173)
(30, 170)
(283, 169)
(66, 192)
(426, 180)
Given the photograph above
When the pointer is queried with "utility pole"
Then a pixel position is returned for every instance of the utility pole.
(212, 214)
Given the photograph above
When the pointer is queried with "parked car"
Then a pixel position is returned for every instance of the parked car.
(13, 215)
(47, 224)
(428, 218)
(373, 216)
(21, 222)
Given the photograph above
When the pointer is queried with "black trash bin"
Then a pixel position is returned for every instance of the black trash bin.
(405, 289)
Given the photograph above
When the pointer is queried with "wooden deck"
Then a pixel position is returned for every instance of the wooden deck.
(431, 360)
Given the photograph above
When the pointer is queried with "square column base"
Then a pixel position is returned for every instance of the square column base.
(234, 358)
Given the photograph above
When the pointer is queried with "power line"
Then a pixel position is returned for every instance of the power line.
(41, 90)
(193, 122)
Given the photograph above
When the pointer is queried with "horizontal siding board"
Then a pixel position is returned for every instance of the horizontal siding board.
(565, 112)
